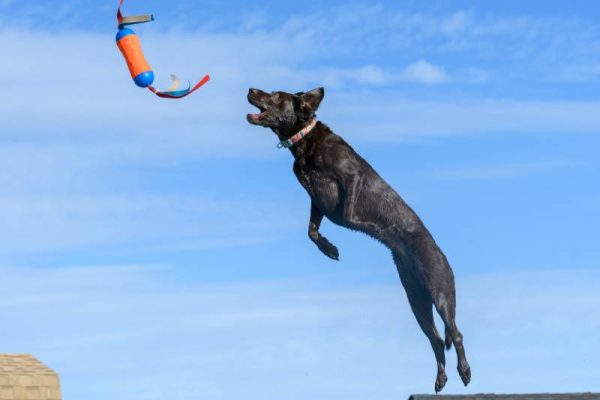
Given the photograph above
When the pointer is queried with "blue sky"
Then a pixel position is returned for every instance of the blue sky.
(153, 249)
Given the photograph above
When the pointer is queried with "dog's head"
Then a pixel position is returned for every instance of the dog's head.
(283, 112)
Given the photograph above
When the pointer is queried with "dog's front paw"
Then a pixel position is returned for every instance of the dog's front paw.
(328, 249)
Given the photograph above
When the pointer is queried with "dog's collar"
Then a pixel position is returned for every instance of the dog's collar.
(287, 143)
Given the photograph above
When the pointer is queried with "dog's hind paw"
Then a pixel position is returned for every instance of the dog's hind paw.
(328, 249)
(440, 381)
(465, 372)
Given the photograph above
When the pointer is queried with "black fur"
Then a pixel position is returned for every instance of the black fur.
(344, 188)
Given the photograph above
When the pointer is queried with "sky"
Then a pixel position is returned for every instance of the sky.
(153, 249)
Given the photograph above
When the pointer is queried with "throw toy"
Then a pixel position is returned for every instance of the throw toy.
(140, 70)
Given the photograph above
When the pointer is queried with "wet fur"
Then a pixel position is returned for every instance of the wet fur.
(344, 188)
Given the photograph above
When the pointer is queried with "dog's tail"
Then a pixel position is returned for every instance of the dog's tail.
(448, 340)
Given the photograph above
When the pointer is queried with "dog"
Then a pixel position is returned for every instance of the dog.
(344, 188)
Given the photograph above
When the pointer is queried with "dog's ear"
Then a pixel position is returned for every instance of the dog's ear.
(310, 101)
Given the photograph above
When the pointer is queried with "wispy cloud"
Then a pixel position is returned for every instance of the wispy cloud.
(125, 119)
(502, 171)
(419, 72)
(393, 118)
(149, 336)
(33, 223)
(71, 127)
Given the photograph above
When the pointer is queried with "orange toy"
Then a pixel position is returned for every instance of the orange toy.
(140, 70)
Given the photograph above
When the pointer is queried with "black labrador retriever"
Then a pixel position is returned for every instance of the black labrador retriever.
(347, 190)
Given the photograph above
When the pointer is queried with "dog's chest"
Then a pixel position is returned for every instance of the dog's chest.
(319, 182)
(309, 171)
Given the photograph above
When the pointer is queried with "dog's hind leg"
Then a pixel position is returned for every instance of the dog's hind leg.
(433, 269)
(448, 340)
(422, 307)
(444, 299)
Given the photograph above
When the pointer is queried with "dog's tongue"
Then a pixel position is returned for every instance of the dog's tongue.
(256, 117)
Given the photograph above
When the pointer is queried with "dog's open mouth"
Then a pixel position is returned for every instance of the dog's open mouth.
(258, 117)
(255, 98)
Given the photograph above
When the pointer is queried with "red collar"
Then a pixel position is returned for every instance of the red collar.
(287, 143)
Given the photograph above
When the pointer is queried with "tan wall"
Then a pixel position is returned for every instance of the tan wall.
(22, 377)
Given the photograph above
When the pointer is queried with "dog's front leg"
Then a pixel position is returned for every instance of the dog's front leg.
(316, 216)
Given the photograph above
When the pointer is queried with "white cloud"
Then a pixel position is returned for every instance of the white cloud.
(420, 72)
(347, 79)
(424, 72)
